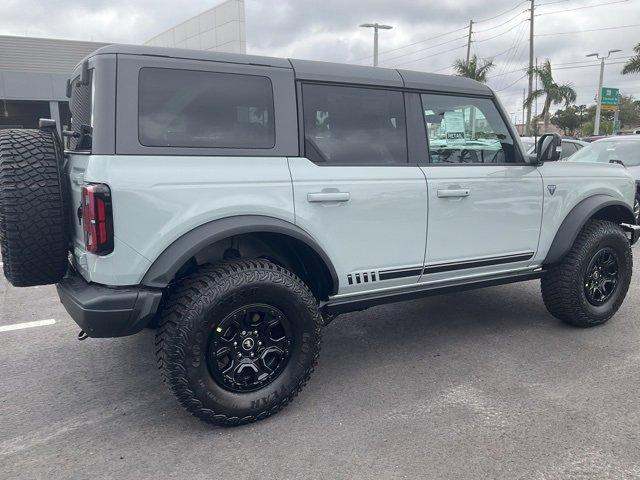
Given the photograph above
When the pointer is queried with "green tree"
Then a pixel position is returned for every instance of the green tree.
(477, 69)
(633, 65)
(568, 120)
(629, 111)
(553, 92)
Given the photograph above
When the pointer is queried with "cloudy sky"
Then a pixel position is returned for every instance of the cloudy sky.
(428, 35)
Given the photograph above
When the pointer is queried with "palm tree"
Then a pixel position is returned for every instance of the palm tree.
(475, 69)
(633, 65)
(553, 92)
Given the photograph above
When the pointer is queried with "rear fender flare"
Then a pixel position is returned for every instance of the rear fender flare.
(165, 267)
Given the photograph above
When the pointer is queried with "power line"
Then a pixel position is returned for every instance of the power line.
(433, 55)
(414, 43)
(515, 51)
(584, 31)
(449, 32)
(500, 14)
(581, 8)
(560, 68)
(512, 83)
(500, 34)
(552, 3)
(500, 24)
(386, 60)
(588, 66)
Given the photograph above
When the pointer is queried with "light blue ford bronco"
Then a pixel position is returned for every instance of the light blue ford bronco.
(238, 203)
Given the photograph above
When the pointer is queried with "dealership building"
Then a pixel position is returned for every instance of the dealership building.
(34, 71)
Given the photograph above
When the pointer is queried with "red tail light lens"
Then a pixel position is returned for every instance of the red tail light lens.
(97, 219)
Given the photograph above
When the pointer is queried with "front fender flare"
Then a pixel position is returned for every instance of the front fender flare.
(165, 267)
(578, 217)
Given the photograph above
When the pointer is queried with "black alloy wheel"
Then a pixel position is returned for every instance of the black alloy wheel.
(249, 348)
(601, 278)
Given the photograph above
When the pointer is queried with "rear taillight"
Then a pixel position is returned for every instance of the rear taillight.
(97, 219)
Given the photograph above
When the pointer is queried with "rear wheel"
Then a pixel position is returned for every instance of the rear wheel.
(589, 285)
(238, 341)
(636, 208)
(33, 226)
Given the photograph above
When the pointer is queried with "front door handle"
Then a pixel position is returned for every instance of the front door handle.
(453, 192)
(328, 197)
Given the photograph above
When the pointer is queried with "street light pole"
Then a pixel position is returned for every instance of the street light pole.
(596, 122)
(376, 27)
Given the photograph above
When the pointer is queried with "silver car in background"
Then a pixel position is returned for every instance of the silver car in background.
(569, 146)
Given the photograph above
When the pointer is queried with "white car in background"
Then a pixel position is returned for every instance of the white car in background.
(569, 146)
(624, 149)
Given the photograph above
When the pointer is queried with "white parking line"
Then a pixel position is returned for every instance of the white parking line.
(20, 326)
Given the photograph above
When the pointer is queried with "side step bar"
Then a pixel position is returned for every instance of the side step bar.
(360, 302)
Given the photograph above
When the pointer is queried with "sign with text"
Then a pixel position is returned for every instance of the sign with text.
(454, 126)
(609, 96)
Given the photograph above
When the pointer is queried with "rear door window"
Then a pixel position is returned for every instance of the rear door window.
(354, 125)
(189, 108)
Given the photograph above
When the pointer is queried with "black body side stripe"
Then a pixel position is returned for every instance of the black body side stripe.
(485, 262)
(400, 273)
(447, 267)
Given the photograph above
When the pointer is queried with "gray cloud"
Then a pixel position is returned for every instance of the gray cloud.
(328, 30)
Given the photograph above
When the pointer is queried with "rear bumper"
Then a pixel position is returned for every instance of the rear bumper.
(107, 311)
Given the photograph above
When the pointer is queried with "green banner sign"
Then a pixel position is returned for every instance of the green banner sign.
(609, 96)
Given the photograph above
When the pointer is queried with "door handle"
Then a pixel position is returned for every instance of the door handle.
(328, 197)
(454, 192)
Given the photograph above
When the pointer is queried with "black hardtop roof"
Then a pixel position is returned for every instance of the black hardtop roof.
(318, 71)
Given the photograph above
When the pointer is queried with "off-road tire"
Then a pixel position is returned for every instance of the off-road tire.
(189, 317)
(562, 285)
(34, 235)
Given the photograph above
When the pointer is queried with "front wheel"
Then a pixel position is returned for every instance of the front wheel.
(636, 208)
(589, 285)
(238, 341)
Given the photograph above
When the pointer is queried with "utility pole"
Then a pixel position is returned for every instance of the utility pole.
(524, 107)
(531, 10)
(469, 41)
(596, 122)
(376, 27)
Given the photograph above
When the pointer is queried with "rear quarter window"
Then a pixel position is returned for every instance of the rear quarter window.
(197, 109)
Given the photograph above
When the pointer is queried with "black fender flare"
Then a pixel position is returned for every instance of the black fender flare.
(165, 267)
(578, 217)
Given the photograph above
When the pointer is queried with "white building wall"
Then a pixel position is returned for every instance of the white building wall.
(222, 28)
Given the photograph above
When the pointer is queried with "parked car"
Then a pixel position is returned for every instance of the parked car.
(569, 146)
(624, 149)
(593, 138)
(238, 203)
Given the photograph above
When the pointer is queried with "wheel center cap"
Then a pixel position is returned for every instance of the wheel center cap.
(247, 344)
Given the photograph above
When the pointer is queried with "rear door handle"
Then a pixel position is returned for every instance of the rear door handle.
(453, 192)
(328, 197)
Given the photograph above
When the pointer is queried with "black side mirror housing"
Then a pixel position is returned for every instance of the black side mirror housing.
(548, 148)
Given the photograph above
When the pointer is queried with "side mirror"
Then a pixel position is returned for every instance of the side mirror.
(549, 148)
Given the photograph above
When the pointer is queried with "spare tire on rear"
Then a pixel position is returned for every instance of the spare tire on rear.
(34, 237)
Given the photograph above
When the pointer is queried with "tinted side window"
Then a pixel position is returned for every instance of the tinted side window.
(466, 130)
(568, 149)
(352, 125)
(188, 108)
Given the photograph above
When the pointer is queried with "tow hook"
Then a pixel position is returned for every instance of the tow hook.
(82, 335)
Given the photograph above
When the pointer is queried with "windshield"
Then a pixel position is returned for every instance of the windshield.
(627, 151)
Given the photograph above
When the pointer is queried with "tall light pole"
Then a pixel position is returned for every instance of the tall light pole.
(376, 27)
(596, 123)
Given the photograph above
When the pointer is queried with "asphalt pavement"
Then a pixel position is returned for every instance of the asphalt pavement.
(480, 384)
